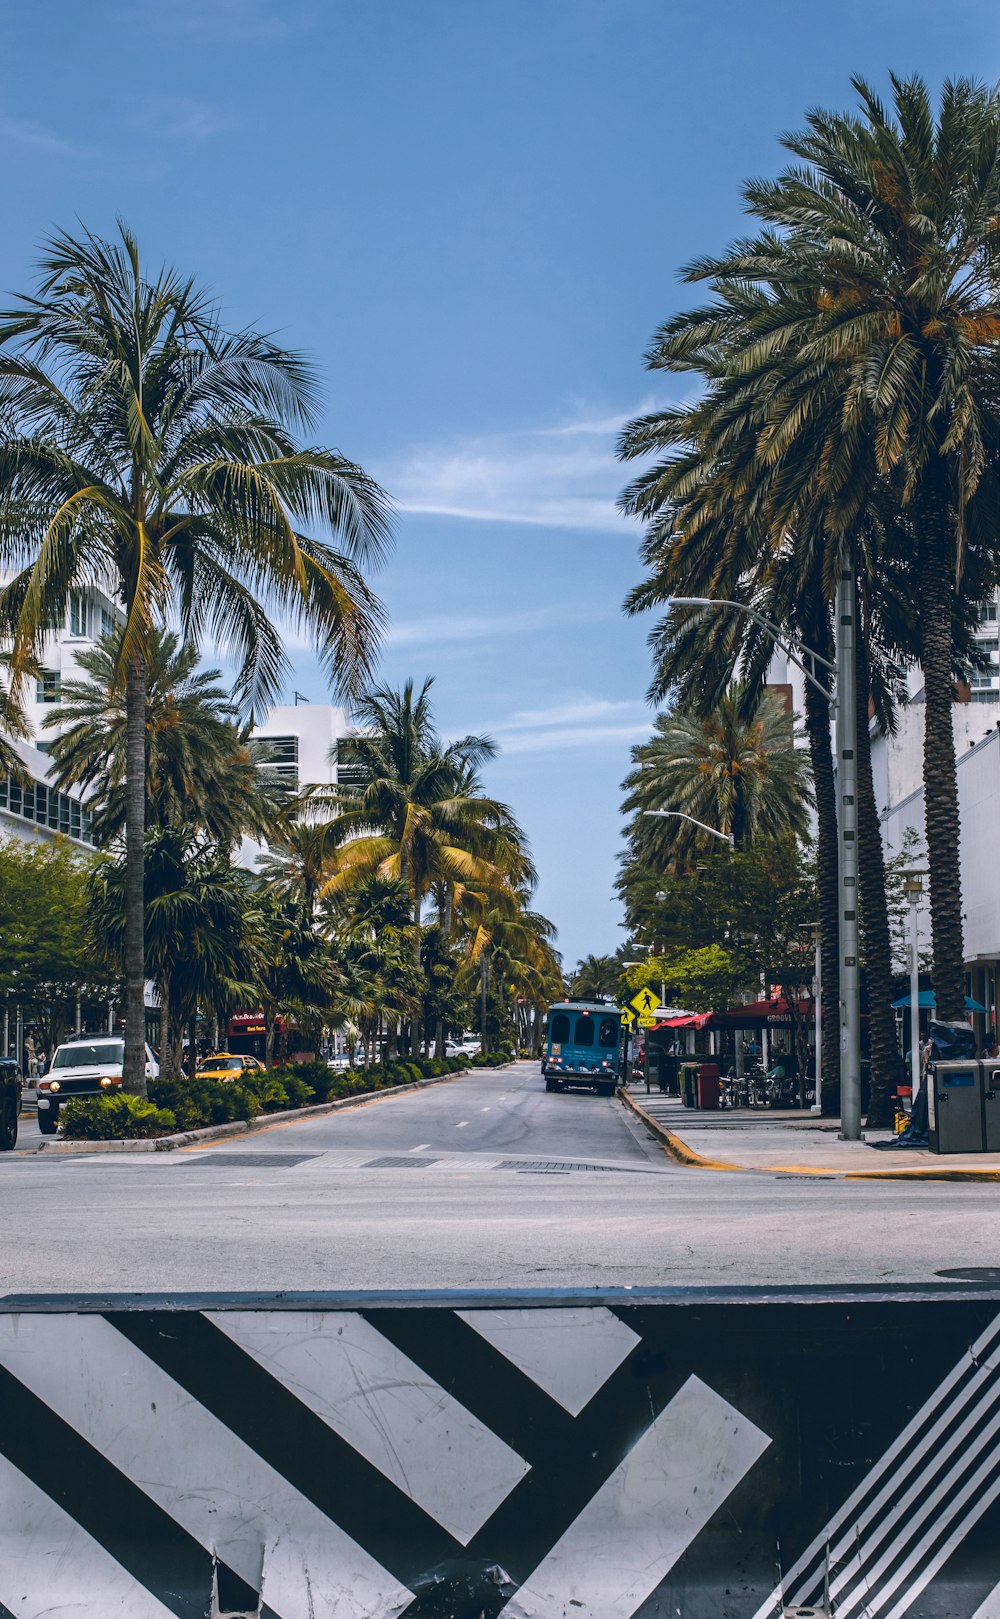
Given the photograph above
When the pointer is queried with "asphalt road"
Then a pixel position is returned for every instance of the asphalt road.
(486, 1181)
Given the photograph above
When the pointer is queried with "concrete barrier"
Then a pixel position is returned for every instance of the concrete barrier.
(702, 1454)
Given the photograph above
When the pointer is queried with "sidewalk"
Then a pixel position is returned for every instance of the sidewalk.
(791, 1143)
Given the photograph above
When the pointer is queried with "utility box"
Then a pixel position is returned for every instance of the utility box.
(708, 1085)
(991, 1104)
(689, 1083)
(955, 1106)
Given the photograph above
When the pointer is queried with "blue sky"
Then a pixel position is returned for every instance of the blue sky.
(471, 213)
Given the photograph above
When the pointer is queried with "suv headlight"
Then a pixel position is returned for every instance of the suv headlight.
(53, 1084)
(106, 1080)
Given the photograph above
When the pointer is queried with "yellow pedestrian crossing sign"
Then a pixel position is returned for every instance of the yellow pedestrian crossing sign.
(644, 1002)
(628, 1016)
(648, 1022)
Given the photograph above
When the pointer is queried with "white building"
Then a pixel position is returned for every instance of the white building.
(304, 740)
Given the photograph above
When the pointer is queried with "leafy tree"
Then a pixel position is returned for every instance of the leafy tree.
(596, 975)
(147, 447)
(48, 957)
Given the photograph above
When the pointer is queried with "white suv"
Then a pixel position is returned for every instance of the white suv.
(87, 1065)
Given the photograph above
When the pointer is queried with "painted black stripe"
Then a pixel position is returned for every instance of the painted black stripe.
(278, 1427)
(571, 1457)
(138, 1534)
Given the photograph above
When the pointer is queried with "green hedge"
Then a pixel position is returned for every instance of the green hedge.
(184, 1104)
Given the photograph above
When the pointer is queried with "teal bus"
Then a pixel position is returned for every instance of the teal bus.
(581, 1046)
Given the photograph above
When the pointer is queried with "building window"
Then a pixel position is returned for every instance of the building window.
(107, 621)
(281, 754)
(79, 613)
(48, 686)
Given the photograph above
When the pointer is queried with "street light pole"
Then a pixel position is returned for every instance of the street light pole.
(847, 791)
(726, 837)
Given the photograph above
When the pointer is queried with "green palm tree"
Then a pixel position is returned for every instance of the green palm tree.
(596, 975)
(148, 449)
(735, 773)
(418, 811)
(859, 329)
(200, 770)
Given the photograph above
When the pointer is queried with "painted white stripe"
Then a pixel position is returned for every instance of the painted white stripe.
(422, 1147)
(969, 1507)
(462, 1125)
(990, 1609)
(387, 1407)
(49, 1565)
(647, 1513)
(946, 1401)
(195, 1468)
(903, 1525)
(568, 1353)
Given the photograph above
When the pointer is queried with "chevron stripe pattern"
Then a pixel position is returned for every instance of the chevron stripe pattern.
(541, 1462)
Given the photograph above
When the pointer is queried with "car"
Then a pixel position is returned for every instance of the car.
(85, 1065)
(10, 1103)
(468, 1046)
(339, 1062)
(226, 1067)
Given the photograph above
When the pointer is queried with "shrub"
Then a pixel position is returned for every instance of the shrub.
(114, 1118)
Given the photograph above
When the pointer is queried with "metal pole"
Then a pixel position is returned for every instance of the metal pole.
(817, 1106)
(914, 997)
(847, 793)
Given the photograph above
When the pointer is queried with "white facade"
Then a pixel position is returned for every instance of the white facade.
(306, 736)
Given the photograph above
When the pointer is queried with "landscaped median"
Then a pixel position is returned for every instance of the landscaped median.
(180, 1106)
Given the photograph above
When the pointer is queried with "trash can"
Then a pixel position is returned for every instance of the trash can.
(708, 1085)
(991, 1104)
(955, 1106)
(689, 1083)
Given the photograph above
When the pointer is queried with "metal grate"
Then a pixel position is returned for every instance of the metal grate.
(552, 1166)
(254, 1160)
(399, 1163)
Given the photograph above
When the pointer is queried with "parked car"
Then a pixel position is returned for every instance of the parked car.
(10, 1103)
(224, 1066)
(468, 1046)
(340, 1061)
(86, 1065)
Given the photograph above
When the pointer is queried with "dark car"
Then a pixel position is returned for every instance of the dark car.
(10, 1103)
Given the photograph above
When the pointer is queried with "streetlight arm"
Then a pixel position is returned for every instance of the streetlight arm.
(725, 837)
(771, 629)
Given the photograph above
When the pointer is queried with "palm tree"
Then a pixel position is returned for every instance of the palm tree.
(200, 771)
(147, 449)
(860, 329)
(596, 975)
(738, 774)
(418, 811)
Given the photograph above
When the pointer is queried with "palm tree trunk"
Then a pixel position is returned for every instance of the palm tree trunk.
(940, 776)
(882, 1048)
(821, 756)
(134, 1068)
(484, 984)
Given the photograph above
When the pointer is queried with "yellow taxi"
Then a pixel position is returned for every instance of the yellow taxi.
(225, 1067)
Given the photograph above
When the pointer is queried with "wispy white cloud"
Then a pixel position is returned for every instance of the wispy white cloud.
(38, 137)
(460, 627)
(580, 722)
(236, 20)
(175, 118)
(560, 475)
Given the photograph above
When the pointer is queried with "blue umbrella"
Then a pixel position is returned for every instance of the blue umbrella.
(926, 1000)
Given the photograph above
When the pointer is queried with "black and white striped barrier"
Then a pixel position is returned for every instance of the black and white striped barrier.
(702, 1455)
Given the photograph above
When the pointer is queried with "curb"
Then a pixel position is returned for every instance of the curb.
(681, 1153)
(263, 1121)
(675, 1148)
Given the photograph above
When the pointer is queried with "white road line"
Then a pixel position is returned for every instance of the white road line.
(462, 1125)
(47, 1562)
(632, 1532)
(387, 1408)
(422, 1147)
(187, 1461)
(486, 1110)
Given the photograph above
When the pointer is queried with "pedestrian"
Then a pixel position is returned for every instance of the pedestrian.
(30, 1056)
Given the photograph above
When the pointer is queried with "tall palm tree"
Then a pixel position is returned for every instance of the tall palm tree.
(736, 773)
(596, 975)
(861, 327)
(200, 770)
(146, 448)
(418, 811)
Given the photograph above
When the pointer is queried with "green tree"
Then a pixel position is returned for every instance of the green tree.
(596, 975)
(147, 447)
(865, 317)
(48, 958)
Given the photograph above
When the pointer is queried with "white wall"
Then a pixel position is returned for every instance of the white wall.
(318, 727)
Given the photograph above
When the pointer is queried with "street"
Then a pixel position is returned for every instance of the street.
(482, 1182)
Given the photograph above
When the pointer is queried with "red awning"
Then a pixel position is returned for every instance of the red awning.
(690, 1020)
(760, 1015)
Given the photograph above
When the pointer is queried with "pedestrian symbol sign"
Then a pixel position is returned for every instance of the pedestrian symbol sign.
(644, 1002)
(629, 1018)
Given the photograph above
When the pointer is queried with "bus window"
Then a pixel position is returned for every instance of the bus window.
(584, 1035)
(608, 1035)
(559, 1029)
